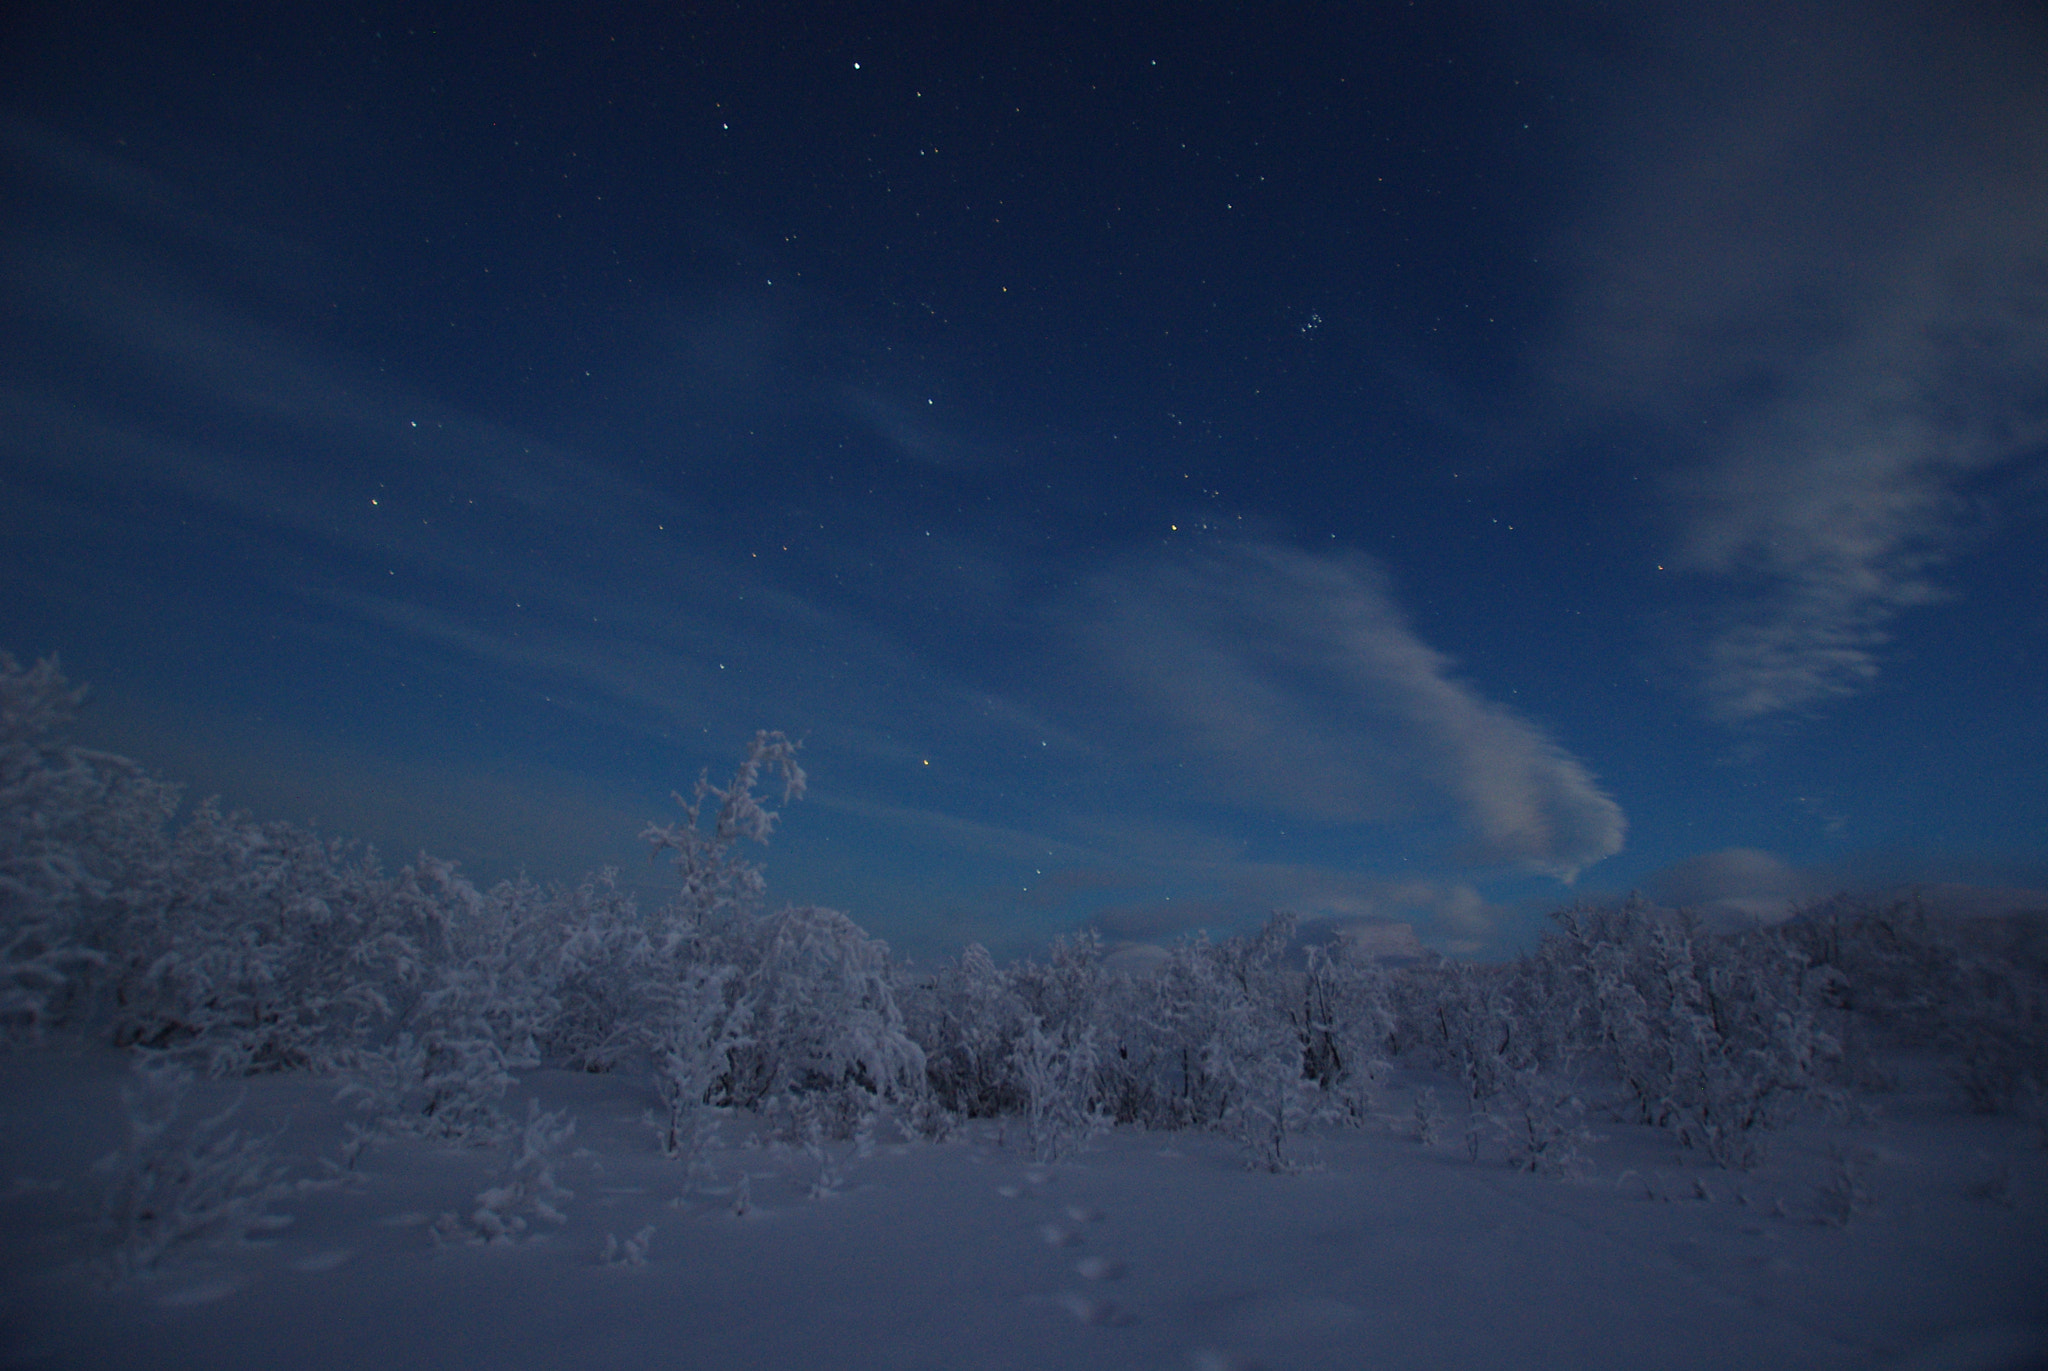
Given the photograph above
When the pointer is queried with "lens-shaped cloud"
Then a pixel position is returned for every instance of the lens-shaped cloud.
(1295, 681)
(1819, 263)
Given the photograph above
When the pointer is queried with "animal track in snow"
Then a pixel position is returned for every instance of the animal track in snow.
(1066, 1231)
(1093, 1312)
(1214, 1359)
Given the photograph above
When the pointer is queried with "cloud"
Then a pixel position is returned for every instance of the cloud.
(415, 529)
(1380, 915)
(1295, 683)
(1383, 916)
(1740, 887)
(129, 192)
(498, 818)
(1735, 887)
(1821, 266)
(915, 430)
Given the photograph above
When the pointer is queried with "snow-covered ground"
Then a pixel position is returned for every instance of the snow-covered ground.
(1903, 1234)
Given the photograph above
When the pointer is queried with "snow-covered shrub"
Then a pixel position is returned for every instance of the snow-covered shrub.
(472, 1018)
(1346, 1024)
(1070, 990)
(383, 1082)
(77, 830)
(1461, 1016)
(1892, 964)
(805, 1001)
(38, 962)
(1541, 1124)
(205, 1184)
(716, 881)
(1057, 1077)
(1997, 1037)
(446, 1087)
(1257, 964)
(1267, 1099)
(1911, 978)
(457, 1079)
(810, 1122)
(1259, 1041)
(529, 1189)
(969, 1023)
(1162, 1026)
(258, 947)
(818, 1015)
(1714, 1039)
(492, 962)
(211, 936)
(601, 964)
(1207, 1041)
(693, 1039)
(1548, 991)
(482, 1004)
(465, 999)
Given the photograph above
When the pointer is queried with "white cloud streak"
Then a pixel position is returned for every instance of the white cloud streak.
(1296, 684)
(1825, 253)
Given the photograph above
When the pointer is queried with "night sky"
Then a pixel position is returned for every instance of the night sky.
(1410, 463)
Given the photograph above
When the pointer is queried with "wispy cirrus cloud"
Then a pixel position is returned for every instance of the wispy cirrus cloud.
(1817, 264)
(1295, 681)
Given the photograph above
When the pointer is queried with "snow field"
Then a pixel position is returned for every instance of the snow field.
(1143, 1249)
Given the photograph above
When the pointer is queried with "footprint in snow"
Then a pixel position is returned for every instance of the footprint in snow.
(1096, 1313)
(202, 1291)
(1095, 1310)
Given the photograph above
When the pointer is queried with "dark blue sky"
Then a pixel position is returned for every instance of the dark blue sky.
(1385, 461)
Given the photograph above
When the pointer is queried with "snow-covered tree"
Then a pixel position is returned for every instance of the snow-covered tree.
(1346, 1023)
(1714, 1039)
(78, 829)
(1056, 1076)
(1208, 1040)
(602, 960)
(716, 879)
(969, 1022)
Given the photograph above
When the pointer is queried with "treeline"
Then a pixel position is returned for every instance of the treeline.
(247, 947)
